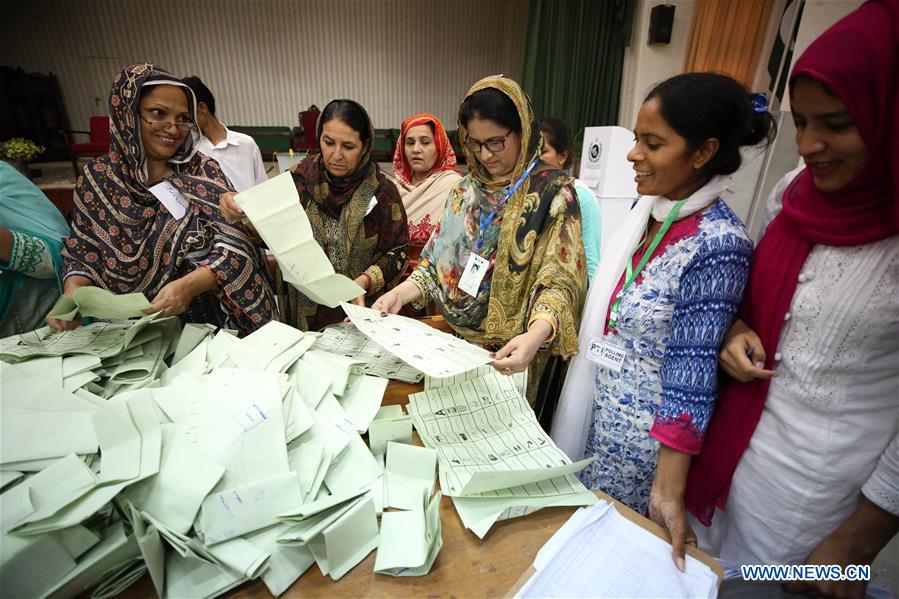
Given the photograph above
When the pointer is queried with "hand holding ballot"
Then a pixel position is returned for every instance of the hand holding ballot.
(230, 210)
(98, 303)
(275, 211)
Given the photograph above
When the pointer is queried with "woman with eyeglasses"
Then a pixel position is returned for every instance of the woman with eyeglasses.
(506, 265)
(146, 216)
(355, 211)
(801, 459)
(639, 395)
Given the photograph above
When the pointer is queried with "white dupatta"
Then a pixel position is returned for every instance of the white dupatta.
(571, 420)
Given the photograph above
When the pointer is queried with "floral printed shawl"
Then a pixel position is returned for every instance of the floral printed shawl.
(125, 241)
(537, 267)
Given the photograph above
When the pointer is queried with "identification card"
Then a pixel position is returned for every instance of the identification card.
(171, 198)
(606, 352)
(473, 274)
(371, 205)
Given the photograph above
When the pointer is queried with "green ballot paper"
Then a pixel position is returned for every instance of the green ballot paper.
(99, 303)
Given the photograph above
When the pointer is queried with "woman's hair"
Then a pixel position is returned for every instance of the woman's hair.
(700, 106)
(350, 113)
(556, 133)
(491, 105)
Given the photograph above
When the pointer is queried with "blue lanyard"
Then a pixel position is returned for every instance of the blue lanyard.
(482, 226)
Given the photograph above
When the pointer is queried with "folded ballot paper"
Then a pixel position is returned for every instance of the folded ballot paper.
(274, 209)
(204, 459)
(494, 459)
(99, 303)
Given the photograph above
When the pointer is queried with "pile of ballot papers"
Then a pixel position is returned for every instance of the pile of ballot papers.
(204, 459)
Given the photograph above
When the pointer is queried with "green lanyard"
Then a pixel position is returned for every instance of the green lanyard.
(630, 273)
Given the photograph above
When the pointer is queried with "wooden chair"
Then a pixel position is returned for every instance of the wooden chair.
(97, 146)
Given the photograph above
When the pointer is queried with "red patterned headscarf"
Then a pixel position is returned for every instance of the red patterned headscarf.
(446, 158)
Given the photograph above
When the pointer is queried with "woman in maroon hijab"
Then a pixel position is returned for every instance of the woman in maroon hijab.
(801, 458)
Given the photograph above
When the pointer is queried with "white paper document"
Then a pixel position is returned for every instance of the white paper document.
(600, 553)
(433, 352)
(274, 209)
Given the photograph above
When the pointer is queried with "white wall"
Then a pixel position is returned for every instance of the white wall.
(644, 64)
(817, 17)
(267, 59)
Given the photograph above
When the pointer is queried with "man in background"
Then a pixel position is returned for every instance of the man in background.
(236, 153)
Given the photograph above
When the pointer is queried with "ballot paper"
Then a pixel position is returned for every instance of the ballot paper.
(335, 368)
(488, 441)
(409, 541)
(433, 352)
(229, 513)
(390, 424)
(348, 540)
(600, 553)
(273, 347)
(520, 378)
(102, 339)
(309, 521)
(494, 459)
(409, 473)
(274, 209)
(99, 303)
(346, 340)
(286, 563)
(362, 398)
(185, 478)
(97, 565)
(40, 420)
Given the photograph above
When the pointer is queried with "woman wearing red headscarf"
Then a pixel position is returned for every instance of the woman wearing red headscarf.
(802, 456)
(424, 168)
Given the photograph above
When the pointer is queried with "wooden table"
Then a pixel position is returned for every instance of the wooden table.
(466, 566)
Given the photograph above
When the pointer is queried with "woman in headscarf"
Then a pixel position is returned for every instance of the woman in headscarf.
(355, 211)
(506, 265)
(146, 216)
(558, 151)
(424, 168)
(801, 458)
(31, 232)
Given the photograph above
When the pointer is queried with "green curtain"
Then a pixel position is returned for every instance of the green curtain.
(573, 59)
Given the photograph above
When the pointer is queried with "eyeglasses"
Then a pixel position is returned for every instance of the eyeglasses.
(183, 123)
(493, 146)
